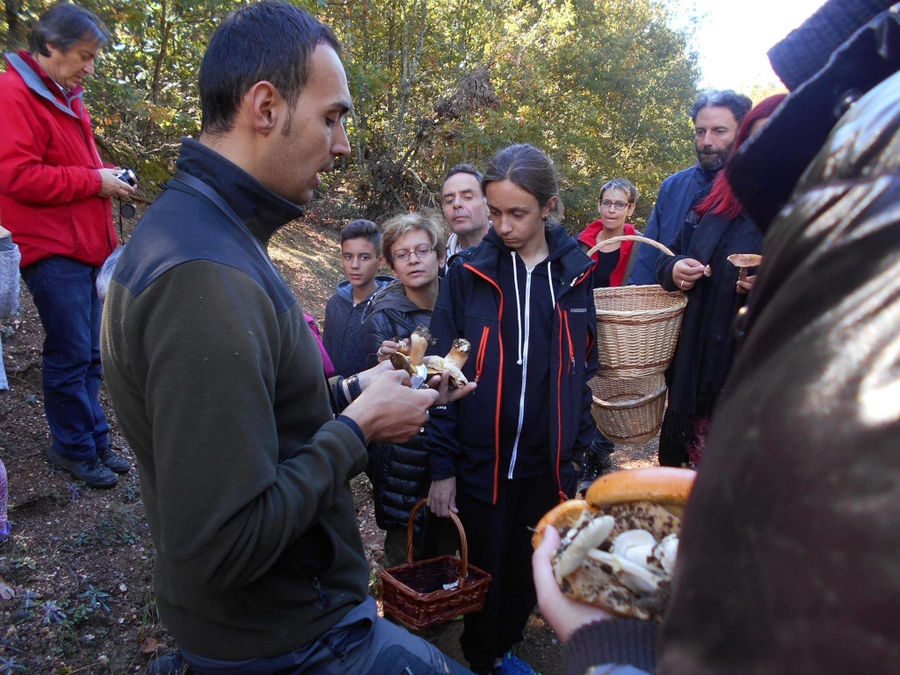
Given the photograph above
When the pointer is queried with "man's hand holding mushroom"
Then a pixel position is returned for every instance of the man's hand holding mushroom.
(388, 409)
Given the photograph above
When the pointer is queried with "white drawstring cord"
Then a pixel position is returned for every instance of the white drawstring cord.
(550, 281)
(518, 305)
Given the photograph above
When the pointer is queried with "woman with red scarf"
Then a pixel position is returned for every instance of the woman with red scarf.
(618, 198)
(718, 228)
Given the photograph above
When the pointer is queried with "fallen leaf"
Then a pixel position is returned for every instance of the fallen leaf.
(150, 646)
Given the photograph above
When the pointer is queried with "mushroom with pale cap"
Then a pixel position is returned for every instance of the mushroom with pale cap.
(744, 261)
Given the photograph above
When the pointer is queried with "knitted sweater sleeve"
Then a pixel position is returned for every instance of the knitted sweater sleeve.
(614, 645)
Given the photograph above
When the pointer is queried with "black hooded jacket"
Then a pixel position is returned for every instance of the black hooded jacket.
(399, 473)
(532, 352)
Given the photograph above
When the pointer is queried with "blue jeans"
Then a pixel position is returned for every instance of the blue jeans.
(66, 299)
(361, 642)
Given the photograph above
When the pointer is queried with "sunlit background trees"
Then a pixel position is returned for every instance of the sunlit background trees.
(602, 86)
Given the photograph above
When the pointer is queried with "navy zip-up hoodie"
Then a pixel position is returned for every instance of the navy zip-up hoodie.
(343, 336)
(532, 353)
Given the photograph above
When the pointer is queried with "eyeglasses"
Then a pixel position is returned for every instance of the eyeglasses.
(422, 252)
(608, 203)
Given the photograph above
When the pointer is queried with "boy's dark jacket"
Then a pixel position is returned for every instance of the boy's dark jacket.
(463, 437)
(343, 335)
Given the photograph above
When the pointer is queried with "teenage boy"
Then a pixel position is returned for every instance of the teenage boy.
(343, 339)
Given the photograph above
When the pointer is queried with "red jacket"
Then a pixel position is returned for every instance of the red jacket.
(589, 237)
(49, 183)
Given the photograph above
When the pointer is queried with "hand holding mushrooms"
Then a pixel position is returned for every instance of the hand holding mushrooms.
(619, 544)
(420, 366)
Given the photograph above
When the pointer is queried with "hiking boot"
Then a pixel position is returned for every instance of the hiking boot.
(594, 466)
(91, 471)
(172, 663)
(114, 461)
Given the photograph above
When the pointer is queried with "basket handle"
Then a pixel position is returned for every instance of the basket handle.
(630, 237)
(463, 544)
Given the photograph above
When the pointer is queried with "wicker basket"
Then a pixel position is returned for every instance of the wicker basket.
(629, 411)
(637, 326)
(428, 592)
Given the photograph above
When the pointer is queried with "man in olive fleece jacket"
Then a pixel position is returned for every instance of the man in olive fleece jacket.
(218, 385)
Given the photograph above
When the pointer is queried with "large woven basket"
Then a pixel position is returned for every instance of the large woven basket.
(428, 592)
(637, 326)
(629, 411)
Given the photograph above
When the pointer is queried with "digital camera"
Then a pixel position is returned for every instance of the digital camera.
(127, 176)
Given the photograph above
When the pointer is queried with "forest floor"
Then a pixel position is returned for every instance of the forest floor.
(76, 593)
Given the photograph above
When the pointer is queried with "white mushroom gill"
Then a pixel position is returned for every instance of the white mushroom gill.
(634, 545)
(589, 537)
(666, 552)
(636, 577)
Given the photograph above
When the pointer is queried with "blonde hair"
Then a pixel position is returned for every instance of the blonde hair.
(396, 226)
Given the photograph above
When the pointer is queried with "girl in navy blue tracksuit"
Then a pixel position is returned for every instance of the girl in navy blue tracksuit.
(507, 453)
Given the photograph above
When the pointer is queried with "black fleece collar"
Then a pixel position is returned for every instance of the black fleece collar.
(262, 210)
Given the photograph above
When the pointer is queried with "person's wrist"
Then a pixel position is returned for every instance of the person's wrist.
(353, 387)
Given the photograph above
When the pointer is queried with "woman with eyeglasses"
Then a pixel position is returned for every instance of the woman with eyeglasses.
(616, 204)
(414, 245)
(717, 228)
(618, 198)
(506, 453)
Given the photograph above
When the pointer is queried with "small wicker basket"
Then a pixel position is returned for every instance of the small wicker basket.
(429, 592)
(637, 326)
(629, 411)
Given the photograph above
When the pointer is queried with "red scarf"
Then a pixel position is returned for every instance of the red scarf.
(589, 237)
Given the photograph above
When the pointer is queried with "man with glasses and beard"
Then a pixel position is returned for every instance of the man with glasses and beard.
(716, 116)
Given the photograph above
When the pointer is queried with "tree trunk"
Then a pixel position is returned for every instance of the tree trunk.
(156, 82)
(15, 38)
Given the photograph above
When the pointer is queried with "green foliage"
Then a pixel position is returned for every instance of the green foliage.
(601, 85)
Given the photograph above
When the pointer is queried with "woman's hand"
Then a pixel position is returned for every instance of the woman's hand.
(686, 272)
(563, 614)
(388, 347)
(442, 497)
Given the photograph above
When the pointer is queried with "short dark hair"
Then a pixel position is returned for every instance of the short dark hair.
(738, 104)
(362, 229)
(527, 167)
(268, 40)
(464, 168)
(64, 26)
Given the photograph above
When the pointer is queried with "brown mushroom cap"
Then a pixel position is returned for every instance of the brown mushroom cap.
(667, 486)
(745, 259)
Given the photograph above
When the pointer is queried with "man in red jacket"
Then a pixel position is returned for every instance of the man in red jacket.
(55, 199)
